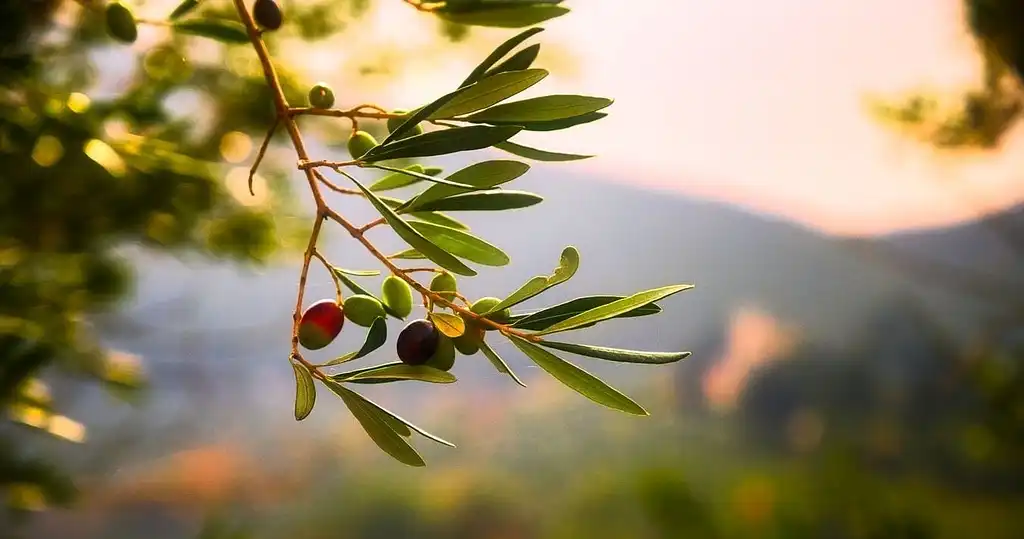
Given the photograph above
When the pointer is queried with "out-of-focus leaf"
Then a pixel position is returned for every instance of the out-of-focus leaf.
(515, 15)
(184, 8)
(217, 29)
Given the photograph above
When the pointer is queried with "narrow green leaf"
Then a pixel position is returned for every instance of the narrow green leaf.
(568, 263)
(377, 426)
(356, 273)
(617, 354)
(615, 308)
(552, 125)
(305, 391)
(541, 109)
(499, 363)
(448, 141)
(487, 92)
(509, 17)
(398, 371)
(519, 61)
(433, 179)
(484, 201)
(498, 53)
(450, 325)
(462, 244)
(433, 171)
(578, 379)
(397, 422)
(356, 289)
(414, 238)
(184, 8)
(397, 180)
(376, 336)
(408, 254)
(438, 218)
(482, 175)
(538, 155)
(414, 118)
(550, 316)
(222, 30)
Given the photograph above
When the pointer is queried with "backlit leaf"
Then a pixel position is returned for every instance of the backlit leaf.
(482, 175)
(617, 354)
(184, 8)
(541, 109)
(447, 141)
(462, 244)
(398, 422)
(305, 391)
(222, 30)
(506, 17)
(499, 363)
(578, 379)
(376, 425)
(376, 336)
(397, 180)
(426, 177)
(538, 155)
(487, 92)
(397, 371)
(550, 316)
(552, 125)
(414, 118)
(408, 254)
(449, 324)
(519, 61)
(568, 263)
(484, 201)
(356, 273)
(615, 308)
(498, 53)
(438, 218)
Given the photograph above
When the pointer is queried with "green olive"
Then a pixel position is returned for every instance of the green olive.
(321, 96)
(362, 310)
(469, 342)
(394, 123)
(397, 295)
(483, 305)
(444, 285)
(121, 23)
(444, 356)
(359, 143)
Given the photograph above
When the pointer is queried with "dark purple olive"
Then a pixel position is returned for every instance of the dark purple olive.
(267, 14)
(417, 342)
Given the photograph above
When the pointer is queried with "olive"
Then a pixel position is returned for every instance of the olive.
(444, 356)
(121, 23)
(321, 96)
(397, 295)
(267, 14)
(394, 123)
(444, 285)
(469, 342)
(320, 324)
(483, 305)
(417, 342)
(359, 143)
(362, 310)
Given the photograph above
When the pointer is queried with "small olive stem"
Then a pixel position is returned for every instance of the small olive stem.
(413, 270)
(336, 165)
(375, 223)
(262, 152)
(335, 187)
(351, 114)
(330, 269)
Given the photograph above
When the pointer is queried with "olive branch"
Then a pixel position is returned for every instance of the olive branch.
(476, 115)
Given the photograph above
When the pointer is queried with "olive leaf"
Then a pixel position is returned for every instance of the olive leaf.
(547, 125)
(617, 354)
(414, 118)
(414, 238)
(376, 336)
(447, 141)
(462, 244)
(538, 155)
(449, 324)
(541, 109)
(482, 175)
(483, 201)
(184, 8)
(578, 379)
(397, 180)
(438, 218)
(222, 30)
(503, 14)
(426, 177)
(568, 263)
(519, 61)
(499, 363)
(396, 371)
(550, 316)
(615, 308)
(305, 391)
(356, 273)
(378, 426)
(357, 289)
(498, 53)
(408, 254)
(489, 91)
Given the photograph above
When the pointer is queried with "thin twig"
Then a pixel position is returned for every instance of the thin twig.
(347, 113)
(330, 270)
(262, 152)
(376, 222)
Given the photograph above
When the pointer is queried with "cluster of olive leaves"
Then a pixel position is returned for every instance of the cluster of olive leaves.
(475, 116)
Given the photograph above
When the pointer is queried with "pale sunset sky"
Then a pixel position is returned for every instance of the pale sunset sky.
(756, 102)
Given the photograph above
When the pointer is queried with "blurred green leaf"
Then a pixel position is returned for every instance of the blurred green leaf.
(617, 354)
(484, 201)
(426, 177)
(615, 308)
(414, 238)
(537, 155)
(541, 109)
(568, 263)
(482, 175)
(376, 336)
(184, 8)
(408, 254)
(356, 273)
(448, 141)
(578, 379)
(217, 29)
(519, 61)
(499, 363)
(397, 180)
(377, 426)
(397, 371)
(545, 318)
(498, 53)
(504, 15)
(489, 91)
(305, 391)
(357, 289)
(450, 325)
(462, 244)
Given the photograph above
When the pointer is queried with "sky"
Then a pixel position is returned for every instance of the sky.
(753, 102)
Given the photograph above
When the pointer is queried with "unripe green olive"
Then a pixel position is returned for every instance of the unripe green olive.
(444, 356)
(469, 342)
(418, 342)
(394, 123)
(267, 14)
(444, 285)
(483, 305)
(397, 295)
(320, 323)
(121, 23)
(359, 143)
(321, 96)
(362, 310)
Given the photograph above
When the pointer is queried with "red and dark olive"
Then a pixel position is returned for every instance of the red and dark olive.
(418, 342)
(320, 324)
(267, 14)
